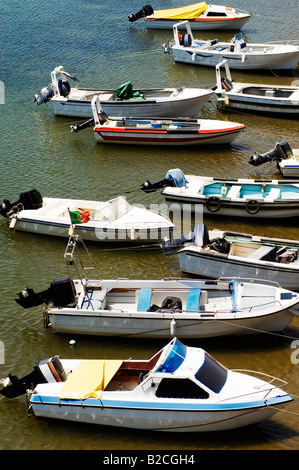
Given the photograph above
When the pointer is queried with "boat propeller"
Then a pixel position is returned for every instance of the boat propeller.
(281, 151)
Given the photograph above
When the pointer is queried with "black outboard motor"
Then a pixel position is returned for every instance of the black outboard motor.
(44, 96)
(61, 293)
(174, 178)
(281, 151)
(47, 371)
(147, 10)
(31, 199)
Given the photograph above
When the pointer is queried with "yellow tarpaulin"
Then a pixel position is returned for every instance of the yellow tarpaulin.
(184, 13)
(89, 378)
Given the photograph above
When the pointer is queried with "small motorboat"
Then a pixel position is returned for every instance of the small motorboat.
(111, 221)
(159, 131)
(286, 158)
(230, 197)
(180, 389)
(201, 15)
(258, 99)
(123, 101)
(214, 253)
(187, 308)
(239, 54)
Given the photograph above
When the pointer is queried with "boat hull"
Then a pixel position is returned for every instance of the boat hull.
(272, 61)
(109, 235)
(161, 325)
(164, 137)
(154, 417)
(259, 105)
(214, 264)
(154, 108)
(201, 24)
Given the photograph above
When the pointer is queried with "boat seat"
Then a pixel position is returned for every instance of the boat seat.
(95, 300)
(273, 194)
(262, 253)
(193, 299)
(145, 299)
(234, 191)
(290, 195)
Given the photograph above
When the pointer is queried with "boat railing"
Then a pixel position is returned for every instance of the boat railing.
(251, 281)
(272, 378)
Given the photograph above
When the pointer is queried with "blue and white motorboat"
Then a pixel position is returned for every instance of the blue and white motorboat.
(180, 389)
(230, 197)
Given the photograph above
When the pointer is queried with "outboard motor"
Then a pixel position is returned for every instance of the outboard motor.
(199, 236)
(174, 178)
(147, 10)
(31, 199)
(47, 371)
(44, 96)
(281, 151)
(61, 293)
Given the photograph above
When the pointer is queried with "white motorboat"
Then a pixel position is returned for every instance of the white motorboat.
(111, 221)
(180, 389)
(230, 197)
(123, 101)
(159, 131)
(226, 253)
(239, 54)
(286, 158)
(201, 15)
(259, 99)
(187, 308)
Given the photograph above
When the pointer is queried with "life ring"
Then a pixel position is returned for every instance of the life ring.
(252, 206)
(213, 204)
(83, 216)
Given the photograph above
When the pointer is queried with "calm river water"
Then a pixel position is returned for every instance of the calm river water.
(94, 41)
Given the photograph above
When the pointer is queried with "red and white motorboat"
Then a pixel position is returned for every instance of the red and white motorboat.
(159, 132)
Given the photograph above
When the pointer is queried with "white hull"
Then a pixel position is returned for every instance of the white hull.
(259, 105)
(213, 267)
(273, 61)
(184, 104)
(290, 167)
(152, 419)
(159, 325)
(201, 25)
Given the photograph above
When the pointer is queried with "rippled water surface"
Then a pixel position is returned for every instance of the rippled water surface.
(94, 41)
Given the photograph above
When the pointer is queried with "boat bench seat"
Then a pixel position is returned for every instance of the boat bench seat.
(96, 299)
(234, 191)
(145, 299)
(273, 194)
(196, 298)
(263, 253)
(290, 195)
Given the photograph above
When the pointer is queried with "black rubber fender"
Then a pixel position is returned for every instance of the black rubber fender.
(252, 206)
(213, 204)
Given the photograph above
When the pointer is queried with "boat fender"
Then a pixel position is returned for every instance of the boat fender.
(213, 204)
(64, 87)
(12, 223)
(173, 327)
(252, 206)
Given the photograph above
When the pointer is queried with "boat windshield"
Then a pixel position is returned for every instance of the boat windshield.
(212, 374)
(175, 358)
